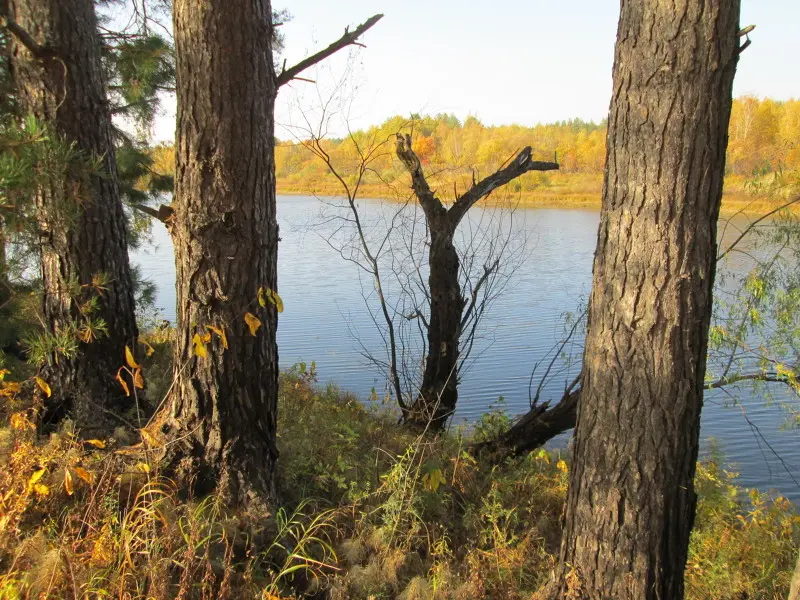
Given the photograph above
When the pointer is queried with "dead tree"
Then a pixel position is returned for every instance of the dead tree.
(438, 393)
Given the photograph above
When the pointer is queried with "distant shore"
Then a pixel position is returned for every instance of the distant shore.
(732, 202)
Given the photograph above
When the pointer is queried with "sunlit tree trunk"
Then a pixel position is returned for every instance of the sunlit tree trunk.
(221, 415)
(83, 240)
(5, 287)
(631, 500)
(794, 592)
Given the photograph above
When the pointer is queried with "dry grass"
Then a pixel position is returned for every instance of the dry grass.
(370, 512)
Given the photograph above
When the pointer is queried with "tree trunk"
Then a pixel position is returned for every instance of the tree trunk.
(631, 500)
(438, 393)
(794, 592)
(82, 224)
(221, 415)
(5, 284)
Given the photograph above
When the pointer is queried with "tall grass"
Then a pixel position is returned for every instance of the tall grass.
(369, 511)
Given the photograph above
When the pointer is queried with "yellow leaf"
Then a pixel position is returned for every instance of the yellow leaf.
(143, 467)
(68, 482)
(272, 296)
(43, 386)
(10, 388)
(148, 349)
(3, 373)
(199, 346)
(432, 479)
(20, 422)
(276, 300)
(129, 358)
(149, 438)
(96, 443)
(253, 323)
(562, 466)
(221, 333)
(131, 450)
(83, 474)
(122, 382)
(138, 380)
(41, 489)
(86, 335)
(37, 475)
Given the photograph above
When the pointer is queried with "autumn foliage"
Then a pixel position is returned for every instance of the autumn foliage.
(764, 136)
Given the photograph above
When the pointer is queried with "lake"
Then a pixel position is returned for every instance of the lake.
(325, 321)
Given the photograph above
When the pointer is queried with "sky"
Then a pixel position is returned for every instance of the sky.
(505, 61)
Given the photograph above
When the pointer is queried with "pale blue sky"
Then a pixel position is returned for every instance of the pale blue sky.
(505, 61)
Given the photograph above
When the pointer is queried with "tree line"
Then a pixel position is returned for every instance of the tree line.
(763, 136)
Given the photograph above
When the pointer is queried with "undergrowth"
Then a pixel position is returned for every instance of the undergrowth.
(369, 511)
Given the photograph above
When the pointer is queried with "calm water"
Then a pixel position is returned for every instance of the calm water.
(325, 316)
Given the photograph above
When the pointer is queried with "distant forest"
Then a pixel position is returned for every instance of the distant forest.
(764, 136)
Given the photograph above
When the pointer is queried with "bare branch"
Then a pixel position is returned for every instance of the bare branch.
(754, 223)
(163, 214)
(348, 39)
(488, 270)
(771, 377)
(535, 399)
(542, 423)
(519, 166)
(26, 39)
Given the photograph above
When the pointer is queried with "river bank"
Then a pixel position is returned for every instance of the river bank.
(734, 201)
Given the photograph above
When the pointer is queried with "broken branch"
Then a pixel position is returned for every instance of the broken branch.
(163, 213)
(519, 166)
(348, 39)
(26, 39)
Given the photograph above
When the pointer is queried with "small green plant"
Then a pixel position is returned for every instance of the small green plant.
(49, 347)
(492, 423)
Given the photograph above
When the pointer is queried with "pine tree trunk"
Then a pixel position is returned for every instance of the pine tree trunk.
(794, 591)
(221, 415)
(438, 394)
(631, 500)
(5, 285)
(82, 224)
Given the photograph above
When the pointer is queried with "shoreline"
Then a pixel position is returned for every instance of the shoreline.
(732, 203)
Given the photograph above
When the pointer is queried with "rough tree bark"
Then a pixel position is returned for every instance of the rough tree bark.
(221, 415)
(631, 500)
(438, 392)
(5, 285)
(55, 60)
(794, 591)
